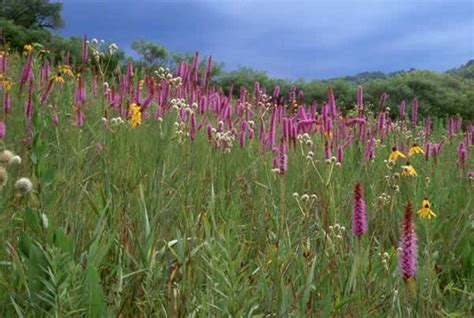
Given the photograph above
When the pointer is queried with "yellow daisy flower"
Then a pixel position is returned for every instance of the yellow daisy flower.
(66, 70)
(415, 149)
(408, 170)
(58, 78)
(7, 85)
(395, 154)
(28, 48)
(136, 115)
(425, 211)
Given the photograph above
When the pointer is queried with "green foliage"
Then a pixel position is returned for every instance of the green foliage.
(439, 94)
(33, 13)
(148, 226)
(16, 36)
(151, 54)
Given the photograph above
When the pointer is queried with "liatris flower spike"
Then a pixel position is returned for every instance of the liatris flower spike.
(359, 222)
(425, 211)
(408, 245)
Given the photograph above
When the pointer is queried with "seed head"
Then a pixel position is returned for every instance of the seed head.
(24, 185)
(5, 157)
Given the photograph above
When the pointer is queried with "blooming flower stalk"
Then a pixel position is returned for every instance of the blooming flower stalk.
(408, 246)
(359, 222)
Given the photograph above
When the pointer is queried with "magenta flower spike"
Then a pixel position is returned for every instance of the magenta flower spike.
(192, 132)
(359, 222)
(327, 151)
(427, 150)
(3, 130)
(276, 92)
(4, 64)
(369, 150)
(29, 107)
(46, 93)
(7, 102)
(55, 119)
(402, 110)
(462, 154)
(27, 70)
(407, 257)
(79, 117)
(340, 153)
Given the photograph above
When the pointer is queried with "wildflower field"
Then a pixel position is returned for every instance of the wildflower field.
(134, 194)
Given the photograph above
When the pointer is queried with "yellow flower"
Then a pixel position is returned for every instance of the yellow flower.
(28, 48)
(408, 170)
(58, 78)
(425, 211)
(415, 149)
(66, 70)
(395, 154)
(7, 85)
(136, 115)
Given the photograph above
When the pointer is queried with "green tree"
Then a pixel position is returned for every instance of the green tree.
(151, 53)
(32, 13)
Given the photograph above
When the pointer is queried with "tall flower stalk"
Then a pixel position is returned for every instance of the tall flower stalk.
(359, 218)
(408, 244)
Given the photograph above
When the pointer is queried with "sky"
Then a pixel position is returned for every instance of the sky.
(308, 39)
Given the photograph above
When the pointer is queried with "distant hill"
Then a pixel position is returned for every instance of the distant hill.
(464, 71)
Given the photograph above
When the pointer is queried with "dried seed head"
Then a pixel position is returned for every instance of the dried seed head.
(5, 157)
(24, 185)
(15, 160)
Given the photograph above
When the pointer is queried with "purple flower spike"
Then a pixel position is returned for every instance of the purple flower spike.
(359, 222)
(2, 130)
(340, 153)
(408, 244)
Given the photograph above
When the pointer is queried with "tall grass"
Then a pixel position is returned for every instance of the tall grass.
(147, 222)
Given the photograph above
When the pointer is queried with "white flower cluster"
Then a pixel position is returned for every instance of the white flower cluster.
(178, 103)
(164, 73)
(106, 87)
(100, 49)
(116, 121)
(225, 140)
(385, 259)
(337, 231)
(305, 139)
(384, 199)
